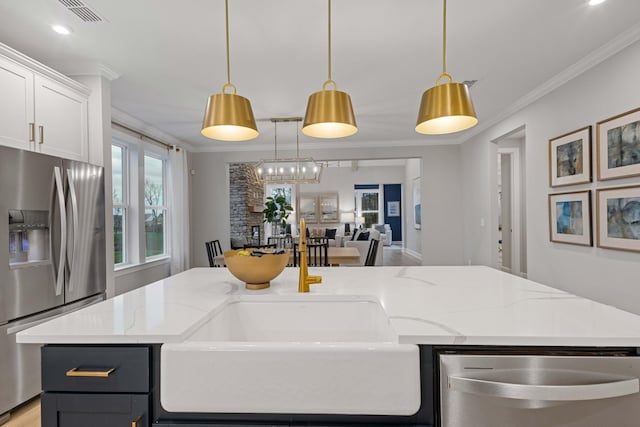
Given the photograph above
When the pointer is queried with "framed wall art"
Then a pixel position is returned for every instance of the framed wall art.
(619, 146)
(328, 207)
(393, 208)
(308, 208)
(618, 218)
(570, 218)
(570, 158)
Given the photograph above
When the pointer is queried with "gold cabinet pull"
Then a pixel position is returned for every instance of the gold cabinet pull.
(32, 132)
(99, 374)
(136, 422)
(41, 130)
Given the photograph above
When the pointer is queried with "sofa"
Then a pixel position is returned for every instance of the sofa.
(385, 234)
(363, 245)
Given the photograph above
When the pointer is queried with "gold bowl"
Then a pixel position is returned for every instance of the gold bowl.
(256, 271)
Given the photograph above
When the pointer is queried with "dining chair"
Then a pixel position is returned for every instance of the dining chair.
(317, 254)
(213, 250)
(210, 255)
(372, 253)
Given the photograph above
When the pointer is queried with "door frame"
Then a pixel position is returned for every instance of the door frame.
(516, 226)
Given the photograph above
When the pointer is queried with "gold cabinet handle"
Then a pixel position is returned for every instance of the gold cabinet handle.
(41, 130)
(99, 374)
(32, 132)
(136, 422)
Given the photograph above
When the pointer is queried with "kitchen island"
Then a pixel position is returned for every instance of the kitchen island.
(438, 309)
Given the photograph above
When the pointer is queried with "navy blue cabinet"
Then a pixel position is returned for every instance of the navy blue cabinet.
(96, 386)
(94, 409)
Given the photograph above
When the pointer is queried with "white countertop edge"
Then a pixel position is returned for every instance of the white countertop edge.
(423, 305)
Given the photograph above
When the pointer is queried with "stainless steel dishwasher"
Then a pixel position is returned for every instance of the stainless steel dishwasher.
(527, 391)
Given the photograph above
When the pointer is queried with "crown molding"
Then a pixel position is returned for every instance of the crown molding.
(84, 68)
(38, 67)
(616, 45)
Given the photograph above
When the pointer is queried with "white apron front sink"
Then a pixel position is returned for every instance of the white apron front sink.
(304, 354)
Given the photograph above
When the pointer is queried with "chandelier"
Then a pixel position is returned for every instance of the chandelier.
(298, 170)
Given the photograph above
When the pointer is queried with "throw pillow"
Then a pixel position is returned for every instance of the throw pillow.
(363, 236)
(355, 234)
(379, 227)
(330, 233)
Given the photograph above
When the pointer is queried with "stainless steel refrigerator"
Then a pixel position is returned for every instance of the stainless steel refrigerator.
(52, 255)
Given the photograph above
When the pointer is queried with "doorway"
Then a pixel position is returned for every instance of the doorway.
(510, 194)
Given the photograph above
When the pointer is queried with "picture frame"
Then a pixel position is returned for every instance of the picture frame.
(328, 205)
(393, 208)
(618, 146)
(570, 218)
(570, 158)
(417, 203)
(618, 218)
(308, 208)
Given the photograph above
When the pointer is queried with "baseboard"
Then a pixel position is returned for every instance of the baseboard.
(413, 254)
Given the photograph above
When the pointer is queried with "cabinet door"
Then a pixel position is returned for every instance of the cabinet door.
(61, 120)
(16, 105)
(95, 410)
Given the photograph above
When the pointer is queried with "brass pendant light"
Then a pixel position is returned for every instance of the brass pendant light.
(229, 116)
(329, 111)
(446, 107)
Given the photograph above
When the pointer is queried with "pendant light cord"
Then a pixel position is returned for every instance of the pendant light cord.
(297, 141)
(329, 38)
(444, 38)
(275, 137)
(226, 14)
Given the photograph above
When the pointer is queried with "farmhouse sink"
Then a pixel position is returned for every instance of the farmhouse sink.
(293, 354)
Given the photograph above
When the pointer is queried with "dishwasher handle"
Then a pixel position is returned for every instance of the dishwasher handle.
(535, 392)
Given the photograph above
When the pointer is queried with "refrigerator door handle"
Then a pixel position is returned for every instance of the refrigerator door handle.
(59, 191)
(74, 214)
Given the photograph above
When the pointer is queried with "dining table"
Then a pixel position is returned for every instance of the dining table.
(335, 256)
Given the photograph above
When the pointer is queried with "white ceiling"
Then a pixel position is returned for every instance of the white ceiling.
(170, 55)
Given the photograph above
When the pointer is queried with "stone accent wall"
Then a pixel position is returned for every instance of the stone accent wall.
(246, 196)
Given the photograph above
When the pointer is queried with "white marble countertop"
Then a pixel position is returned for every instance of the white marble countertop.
(471, 305)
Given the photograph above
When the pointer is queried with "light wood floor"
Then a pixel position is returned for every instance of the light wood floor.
(393, 255)
(27, 415)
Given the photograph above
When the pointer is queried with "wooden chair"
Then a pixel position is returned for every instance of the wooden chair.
(372, 253)
(213, 250)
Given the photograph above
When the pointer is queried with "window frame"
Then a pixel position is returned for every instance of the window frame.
(154, 154)
(136, 150)
(124, 199)
(358, 203)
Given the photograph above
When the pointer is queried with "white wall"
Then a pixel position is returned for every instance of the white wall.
(441, 235)
(605, 275)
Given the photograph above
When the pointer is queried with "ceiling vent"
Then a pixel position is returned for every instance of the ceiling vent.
(81, 10)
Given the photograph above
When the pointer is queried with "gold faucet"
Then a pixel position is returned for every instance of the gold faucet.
(304, 279)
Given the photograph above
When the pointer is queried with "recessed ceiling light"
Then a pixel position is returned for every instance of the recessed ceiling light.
(595, 2)
(61, 29)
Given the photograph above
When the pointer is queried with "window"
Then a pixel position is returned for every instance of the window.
(155, 210)
(140, 212)
(118, 154)
(368, 204)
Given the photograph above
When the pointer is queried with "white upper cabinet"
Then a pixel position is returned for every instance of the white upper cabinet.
(61, 120)
(38, 111)
(16, 105)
